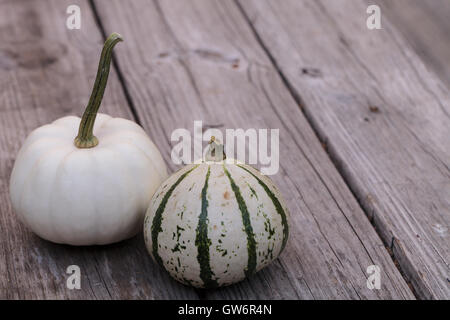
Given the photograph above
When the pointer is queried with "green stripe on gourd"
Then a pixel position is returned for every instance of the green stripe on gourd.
(251, 243)
(202, 241)
(277, 205)
(157, 220)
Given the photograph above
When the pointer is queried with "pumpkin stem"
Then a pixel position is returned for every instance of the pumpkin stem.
(85, 137)
(215, 151)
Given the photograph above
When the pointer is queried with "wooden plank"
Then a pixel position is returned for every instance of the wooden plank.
(46, 71)
(426, 25)
(384, 117)
(199, 60)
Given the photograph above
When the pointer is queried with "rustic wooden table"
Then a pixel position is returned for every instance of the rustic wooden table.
(364, 119)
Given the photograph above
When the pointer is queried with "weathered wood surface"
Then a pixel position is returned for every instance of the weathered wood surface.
(384, 117)
(199, 60)
(426, 25)
(46, 71)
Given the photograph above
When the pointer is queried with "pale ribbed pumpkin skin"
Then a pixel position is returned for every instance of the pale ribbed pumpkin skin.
(86, 196)
(217, 242)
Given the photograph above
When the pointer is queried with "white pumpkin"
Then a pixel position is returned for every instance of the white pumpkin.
(215, 223)
(93, 190)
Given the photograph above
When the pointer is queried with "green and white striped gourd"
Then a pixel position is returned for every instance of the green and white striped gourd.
(214, 223)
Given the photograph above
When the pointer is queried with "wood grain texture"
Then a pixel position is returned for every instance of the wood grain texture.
(199, 60)
(46, 71)
(426, 25)
(384, 117)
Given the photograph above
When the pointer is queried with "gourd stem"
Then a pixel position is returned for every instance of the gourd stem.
(216, 151)
(85, 137)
